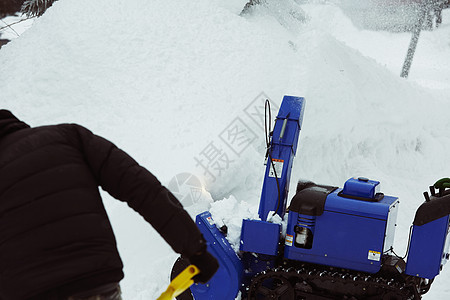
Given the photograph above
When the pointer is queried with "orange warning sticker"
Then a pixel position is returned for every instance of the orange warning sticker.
(289, 239)
(276, 167)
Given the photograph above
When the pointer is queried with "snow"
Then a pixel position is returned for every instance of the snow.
(14, 26)
(166, 80)
(241, 210)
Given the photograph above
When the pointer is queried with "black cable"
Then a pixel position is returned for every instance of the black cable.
(409, 242)
(267, 104)
(269, 150)
(407, 249)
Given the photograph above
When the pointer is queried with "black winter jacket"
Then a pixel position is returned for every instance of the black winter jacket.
(55, 236)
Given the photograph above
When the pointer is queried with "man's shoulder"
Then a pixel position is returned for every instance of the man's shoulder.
(71, 128)
(62, 126)
(71, 132)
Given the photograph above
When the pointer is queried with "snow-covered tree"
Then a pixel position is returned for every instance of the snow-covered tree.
(250, 4)
(36, 7)
(9, 7)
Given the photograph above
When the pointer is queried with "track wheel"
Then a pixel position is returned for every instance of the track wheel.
(271, 287)
(179, 265)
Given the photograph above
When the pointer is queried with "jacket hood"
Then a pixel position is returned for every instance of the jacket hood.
(9, 123)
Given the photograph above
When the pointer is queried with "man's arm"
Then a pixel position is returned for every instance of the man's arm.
(124, 179)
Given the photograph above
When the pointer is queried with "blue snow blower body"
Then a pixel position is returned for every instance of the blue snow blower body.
(338, 243)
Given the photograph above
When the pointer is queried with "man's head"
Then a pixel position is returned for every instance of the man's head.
(9, 123)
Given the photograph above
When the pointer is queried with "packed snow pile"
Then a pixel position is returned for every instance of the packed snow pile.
(166, 81)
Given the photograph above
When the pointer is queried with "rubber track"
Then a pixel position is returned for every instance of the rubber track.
(329, 283)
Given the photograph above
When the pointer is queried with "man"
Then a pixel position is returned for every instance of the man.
(56, 241)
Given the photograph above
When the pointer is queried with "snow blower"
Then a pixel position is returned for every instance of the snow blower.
(338, 243)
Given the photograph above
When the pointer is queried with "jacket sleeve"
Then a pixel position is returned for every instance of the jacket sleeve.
(124, 179)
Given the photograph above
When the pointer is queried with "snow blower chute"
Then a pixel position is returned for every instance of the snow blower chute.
(338, 243)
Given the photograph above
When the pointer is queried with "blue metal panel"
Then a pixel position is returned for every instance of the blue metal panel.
(225, 284)
(255, 263)
(361, 187)
(350, 233)
(341, 240)
(378, 210)
(283, 148)
(260, 237)
(426, 250)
